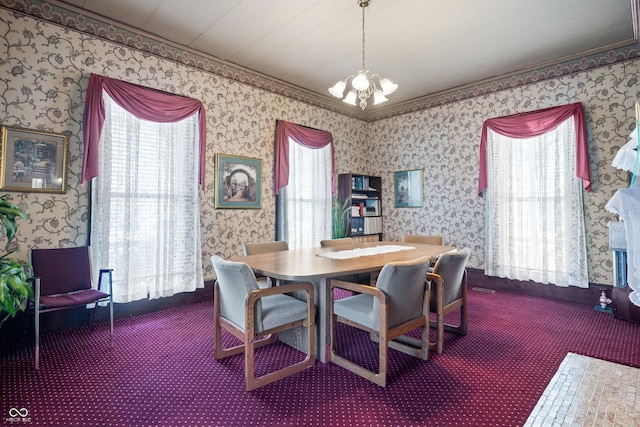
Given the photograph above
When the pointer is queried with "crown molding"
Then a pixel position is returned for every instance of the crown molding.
(584, 61)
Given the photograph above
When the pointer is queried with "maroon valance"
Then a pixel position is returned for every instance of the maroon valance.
(145, 104)
(307, 137)
(529, 125)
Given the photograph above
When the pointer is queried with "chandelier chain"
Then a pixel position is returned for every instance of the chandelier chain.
(363, 8)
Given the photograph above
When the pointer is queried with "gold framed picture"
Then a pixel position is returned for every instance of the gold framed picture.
(33, 161)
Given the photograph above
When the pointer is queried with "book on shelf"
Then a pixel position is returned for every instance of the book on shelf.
(361, 226)
(373, 225)
(357, 226)
(366, 208)
(372, 207)
(361, 183)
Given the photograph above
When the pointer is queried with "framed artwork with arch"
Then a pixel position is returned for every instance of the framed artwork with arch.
(238, 183)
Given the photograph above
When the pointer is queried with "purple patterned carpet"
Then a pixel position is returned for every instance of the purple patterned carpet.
(161, 372)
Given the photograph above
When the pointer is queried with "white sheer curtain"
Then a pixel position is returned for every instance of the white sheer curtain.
(305, 203)
(145, 221)
(534, 210)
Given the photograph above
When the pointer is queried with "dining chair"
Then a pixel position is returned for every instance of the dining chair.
(449, 292)
(255, 315)
(263, 248)
(398, 304)
(63, 279)
(337, 242)
(428, 240)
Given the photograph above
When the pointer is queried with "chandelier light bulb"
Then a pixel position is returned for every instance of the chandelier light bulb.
(361, 81)
(338, 89)
(378, 97)
(387, 86)
(350, 98)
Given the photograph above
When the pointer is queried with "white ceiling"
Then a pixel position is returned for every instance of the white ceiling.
(425, 46)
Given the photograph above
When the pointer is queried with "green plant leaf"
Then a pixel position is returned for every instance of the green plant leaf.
(339, 218)
(15, 290)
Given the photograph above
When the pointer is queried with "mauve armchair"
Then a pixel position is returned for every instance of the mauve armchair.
(63, 279)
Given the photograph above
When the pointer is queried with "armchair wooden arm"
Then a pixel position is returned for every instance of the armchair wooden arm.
(390, 305)
(255, 295)
(254, 315)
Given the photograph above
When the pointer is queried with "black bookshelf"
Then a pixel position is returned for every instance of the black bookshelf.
(364, 218)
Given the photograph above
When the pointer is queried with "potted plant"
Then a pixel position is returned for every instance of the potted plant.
(339, 217)
(15, 291)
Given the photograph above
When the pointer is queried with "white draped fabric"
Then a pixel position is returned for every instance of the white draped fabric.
(626, 203)
(626, 157)
(534, 210)
(145, 220)
(305, 202)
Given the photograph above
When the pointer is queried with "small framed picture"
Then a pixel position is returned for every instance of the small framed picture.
(33, 161)
(408, 187)
(238, 183)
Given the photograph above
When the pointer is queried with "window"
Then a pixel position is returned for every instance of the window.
(304, 205)
(145, 207)
(535, 224)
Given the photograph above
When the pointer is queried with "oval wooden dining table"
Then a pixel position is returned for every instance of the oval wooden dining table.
(313, 265)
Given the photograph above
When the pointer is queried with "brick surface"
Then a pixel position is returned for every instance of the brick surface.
(589, 392)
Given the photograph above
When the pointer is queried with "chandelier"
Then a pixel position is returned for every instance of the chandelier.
(363, 86)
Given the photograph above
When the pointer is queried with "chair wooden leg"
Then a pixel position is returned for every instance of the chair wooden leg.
(413, 346)
(249, 362)
(442, 327)
(438, 344)
(376, 378)
(253, 382)
(374, 278)
(218, 351)
(379, 378)
(383, 351)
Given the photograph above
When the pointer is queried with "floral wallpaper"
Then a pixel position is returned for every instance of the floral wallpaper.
(44, 73)
(444, 142)
(44, 79)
